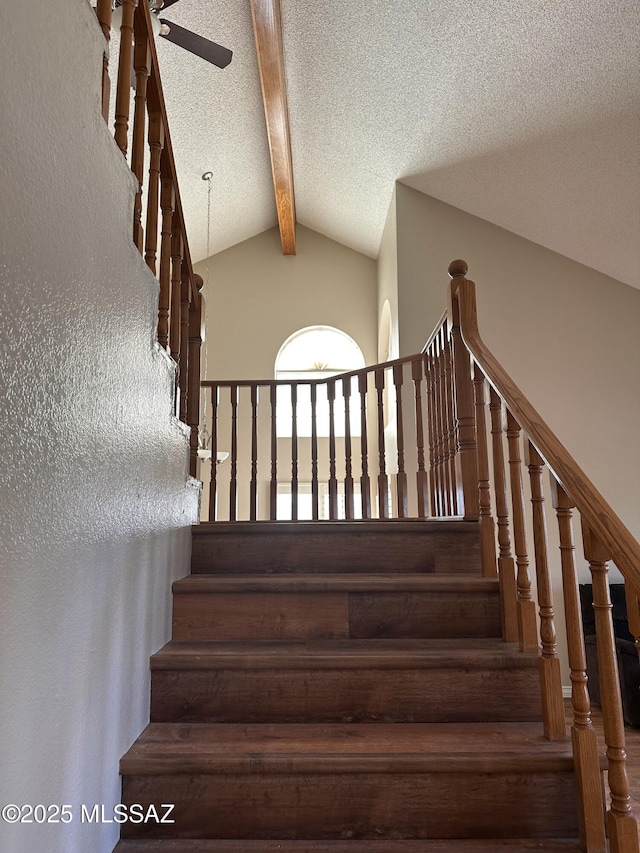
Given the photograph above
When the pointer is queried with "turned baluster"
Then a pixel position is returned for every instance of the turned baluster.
(527, 628)
(156, 146)
(365, 482)
(583, 735)
(104, 12)
(142, 68)
(196, 336)
(253, 490)
(550, 678)
(175, 322)
(167, 203)
(214, 453)
(294, 451)
(348, 476)
(401, 476)
(621, 823)
(487, 528)
(273, 484)
(506, 565)
(314, 452)
(421, 476)
(185, 301)
(452, 431)
(233, 479)
(434, 484)
(442, 450)
(333, 481)
(124, 75)
(383, 483)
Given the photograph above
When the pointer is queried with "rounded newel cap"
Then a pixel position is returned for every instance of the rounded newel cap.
(458, 268)
(198, 280)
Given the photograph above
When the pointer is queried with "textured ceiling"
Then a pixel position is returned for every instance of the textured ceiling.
(524, 113)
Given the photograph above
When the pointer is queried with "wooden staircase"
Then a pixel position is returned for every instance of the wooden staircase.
(343, 687)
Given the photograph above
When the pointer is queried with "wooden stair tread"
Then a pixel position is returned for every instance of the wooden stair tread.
(340, 654)
(294, 582)
(338, 747)
(504, 845)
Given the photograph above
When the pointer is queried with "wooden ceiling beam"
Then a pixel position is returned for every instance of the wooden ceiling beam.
(267, 28)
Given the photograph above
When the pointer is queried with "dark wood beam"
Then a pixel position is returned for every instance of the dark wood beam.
(267, 28)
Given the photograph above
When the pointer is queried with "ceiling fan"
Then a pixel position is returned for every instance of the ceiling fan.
(214, 53)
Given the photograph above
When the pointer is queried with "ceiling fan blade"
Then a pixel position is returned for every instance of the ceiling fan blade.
(168, 3)
(209, 50)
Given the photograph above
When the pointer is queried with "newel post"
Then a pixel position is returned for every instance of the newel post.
(466, 451)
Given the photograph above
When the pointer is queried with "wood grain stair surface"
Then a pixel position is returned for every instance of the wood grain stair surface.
(370, 780)
(550, 845)
(335, 546)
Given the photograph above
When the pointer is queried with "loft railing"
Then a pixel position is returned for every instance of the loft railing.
(380, 442)
(157, 202)
(515, 425)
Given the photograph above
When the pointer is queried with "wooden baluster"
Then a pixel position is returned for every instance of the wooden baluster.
(429, 372)
(233, 481)
(550, 678)
(142, 68)
(383, 483)
(167, 202)
(466, 454)
(196, 336)
(583, 735)
(348, 476)
(156, 146)
(294, 451)
(365, 482)
(104, 12)
(253, 491)
(401, 476)
(314, 452)
(421, 476)
(621, 823)
(527, 627)
(124, 75)
(214, 453)
(452, 432)
(487, 528)
(175, 324)
(273, 484)
(441, 454)
(506, 565)
(185, 302)
(333, 481)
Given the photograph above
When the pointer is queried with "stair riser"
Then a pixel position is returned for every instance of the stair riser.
(363, 805)
(353, 549)
(382, 615)
(345, 695)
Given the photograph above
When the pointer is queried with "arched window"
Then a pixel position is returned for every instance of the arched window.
(316, 352)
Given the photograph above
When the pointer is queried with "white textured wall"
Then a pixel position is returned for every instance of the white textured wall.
(94, 492)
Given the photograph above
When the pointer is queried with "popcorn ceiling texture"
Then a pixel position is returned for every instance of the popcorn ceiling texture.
(525, 114)
(96, 499)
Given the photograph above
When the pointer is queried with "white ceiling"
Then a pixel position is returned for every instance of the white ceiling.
(524, 113)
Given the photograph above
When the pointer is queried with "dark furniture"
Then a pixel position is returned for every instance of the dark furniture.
(626, 652)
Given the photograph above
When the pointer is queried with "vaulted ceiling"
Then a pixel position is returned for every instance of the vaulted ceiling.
(526, 113)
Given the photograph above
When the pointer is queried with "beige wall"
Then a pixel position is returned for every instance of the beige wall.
(93, 480)
(569, 336)
(256, 298)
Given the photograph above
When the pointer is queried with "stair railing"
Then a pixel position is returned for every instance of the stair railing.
(515, 424)
(180, 304)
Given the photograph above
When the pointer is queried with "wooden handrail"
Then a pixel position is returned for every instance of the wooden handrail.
(624, 549)
(180, 303)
